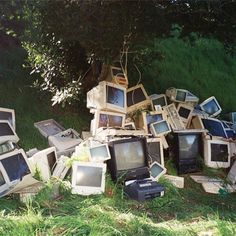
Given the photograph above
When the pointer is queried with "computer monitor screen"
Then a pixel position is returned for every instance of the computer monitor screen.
(2, 180)
(219, 152)
(188, 146)
(184, 112)
(129, 155)
(161, 127)
(211, 107)
(5, 130)
(89, 176)
(156, 170)
(115, 96)
(153, 118)
(214, 127)
(110, 120)
(15, 166)
(180, 95)
(51, 157)
(135, 96)
(99, 153)
(5, 115)
(234, 117)
(154, 151)
(6, 147)
(159, 101)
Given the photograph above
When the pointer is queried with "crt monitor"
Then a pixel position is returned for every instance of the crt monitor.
(149, 118)
(9, 115)
(129, 158)
(160, 128)
(184, 112)
(88, 178)
(177, 95)
(99, 153)
(7, 133)
(155, 150)
(211, 106)
(216, 153)
(158, 99)
(157, 170)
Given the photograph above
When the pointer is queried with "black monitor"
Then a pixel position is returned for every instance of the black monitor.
(184, 112)
(129, 158)
(187, 151)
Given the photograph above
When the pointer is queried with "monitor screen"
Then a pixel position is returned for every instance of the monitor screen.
(115, 96)
(214, 127)
(2, 180)
(5, 130)
(234, 117)
(219, 152)
(4, 115)
(6, 147)
(180, 95)
(135, 96)
(153, 118)
(159, 101)
(156, 170)
(211, 107)
(109, 120)
(99, 153)
(51, 157)
(89, 176)
(184, 112)
(129, 155)
(154, 151)
(15, 166)
(161, 127)
(189, 146)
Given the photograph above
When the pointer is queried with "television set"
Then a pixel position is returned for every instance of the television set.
(155, 150)
(65, 140)
(9, 115)
(158, 99)
(160, 128)
(129, 158)
(107, 96)
(99, 153)
(214, 127)
(15, 172)
(105, 119)
(151, 117)
(187, 150)
(44, 162)
(88, 178)
(156, 170)
(211, 106)
(184, 112)
(176, 95)
(216, 153)
(137, 98)
(7, 133)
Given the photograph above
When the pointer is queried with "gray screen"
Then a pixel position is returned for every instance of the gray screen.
(219, 152)
(161, 127)
(99, 153)
(189, 146)
(155, 170)
(89, 176)
(4, 115)
(109, 120)
(5, 129)
(154, 151)
(115, 96)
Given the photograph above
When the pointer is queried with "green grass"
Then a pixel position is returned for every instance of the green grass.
(189, 211)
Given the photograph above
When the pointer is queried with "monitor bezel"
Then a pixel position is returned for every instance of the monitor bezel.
(87, 190)
(153, 130)
(39, 162)
(162, 173)
(104, 159)
(185, 120)
(153, 140)
(157, 97)
(207, 101)
(141, 104)
(12, 111)
(207, 154)
(171, 93)
(13, 138)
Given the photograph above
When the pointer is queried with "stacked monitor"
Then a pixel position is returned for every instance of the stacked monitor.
(211, 106)
(129, 158)
(9, 115)
(99, 153)
(177, 95)
(158, 100)
(149, 118)
(160, 128)
(7, 133)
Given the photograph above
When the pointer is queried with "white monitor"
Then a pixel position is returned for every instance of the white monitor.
(99, 153)
(160, 128)
(130, 126)
(88, 178)
(156, 170)
(151, 117)
(61, 167)
(216, 153)
(7, 133)
(158, 99)
(177, 95)
(15, 172)
(107, 96)
(155, 150)
(105, 119)
(9, 115)
(44, 162)
(137, 98)
(211, 106)
(8, 146)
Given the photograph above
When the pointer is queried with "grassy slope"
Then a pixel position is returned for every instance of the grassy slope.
(180, 212)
